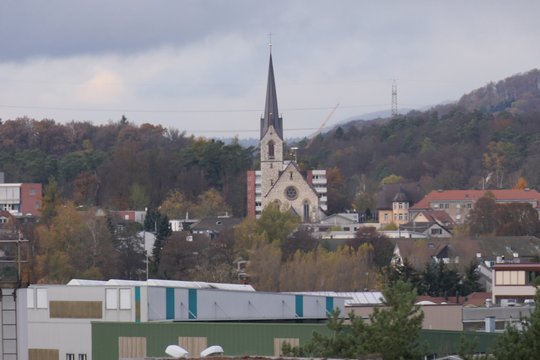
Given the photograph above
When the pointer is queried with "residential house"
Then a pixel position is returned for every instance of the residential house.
(430, 223)
(419, 252)
(514, 283)
(394, 200)
(458, 203)
(211, 226)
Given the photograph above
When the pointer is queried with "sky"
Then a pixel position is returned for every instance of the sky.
(200, 66)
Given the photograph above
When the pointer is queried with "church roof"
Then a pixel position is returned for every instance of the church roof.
(271, 112)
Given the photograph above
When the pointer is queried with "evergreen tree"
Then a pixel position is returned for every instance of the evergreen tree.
(392, 331)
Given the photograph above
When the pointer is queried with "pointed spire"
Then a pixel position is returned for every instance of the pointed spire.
(271, 114)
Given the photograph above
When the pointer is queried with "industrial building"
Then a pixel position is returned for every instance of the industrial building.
(58, 320)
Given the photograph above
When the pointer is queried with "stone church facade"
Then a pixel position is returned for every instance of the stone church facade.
(281, 181)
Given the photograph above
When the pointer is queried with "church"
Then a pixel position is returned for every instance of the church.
(279, 180)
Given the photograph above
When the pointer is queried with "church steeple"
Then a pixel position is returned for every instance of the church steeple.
(271, 114)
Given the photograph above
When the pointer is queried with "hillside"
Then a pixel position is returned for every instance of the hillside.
(492, 130)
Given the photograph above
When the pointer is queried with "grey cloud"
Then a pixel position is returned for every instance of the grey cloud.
(59, 28)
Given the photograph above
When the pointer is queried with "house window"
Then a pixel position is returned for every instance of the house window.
(290, 175)
(32, 192)
(400, 205)
(400, 217)
(82, 357)
(385, 217)
(436, 231)
(406, 217)
(469, 205)
(70, 356)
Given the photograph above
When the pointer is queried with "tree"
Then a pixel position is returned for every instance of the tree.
(402, 272)
(159, 224)
(500, 156)
(521, 183)
(471, 280)
(394, 328)
(211, 203)
(50, 201)
(300, 240)
(275, 224)
(74, 244)
(247, 236)
(181, 258)
(481, 218)
(392, 331)
(516, 219)
(264, 267)
(131, 254)
(337, 195)
(439, 280)
(383, 248)
(176, 206)
(392, 179)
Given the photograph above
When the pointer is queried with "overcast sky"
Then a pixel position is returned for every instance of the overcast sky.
(200, 66)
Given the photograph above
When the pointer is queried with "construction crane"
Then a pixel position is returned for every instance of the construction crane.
(322, 126)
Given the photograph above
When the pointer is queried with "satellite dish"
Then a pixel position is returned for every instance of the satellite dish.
(176, 351)
(212, 351)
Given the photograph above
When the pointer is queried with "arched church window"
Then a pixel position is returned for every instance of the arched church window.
(270, 149)
(306, 211)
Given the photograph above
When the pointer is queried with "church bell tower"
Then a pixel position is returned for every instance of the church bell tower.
(271, 141)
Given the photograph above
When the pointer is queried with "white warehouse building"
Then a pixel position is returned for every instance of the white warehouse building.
(55, 321)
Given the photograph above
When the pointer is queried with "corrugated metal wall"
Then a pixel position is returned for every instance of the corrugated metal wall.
(238, 339)
(235, 338)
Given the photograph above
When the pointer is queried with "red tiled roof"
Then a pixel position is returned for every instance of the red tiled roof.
(439, 216)
(513, 195)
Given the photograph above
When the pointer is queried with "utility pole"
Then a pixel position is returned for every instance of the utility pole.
(394, 99)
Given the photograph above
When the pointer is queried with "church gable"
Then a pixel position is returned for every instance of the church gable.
(292, 190)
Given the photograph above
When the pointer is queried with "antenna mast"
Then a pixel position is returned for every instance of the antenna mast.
(394, 99)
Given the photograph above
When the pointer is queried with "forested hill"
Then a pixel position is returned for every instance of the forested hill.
(493, 130)
(120, 165)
